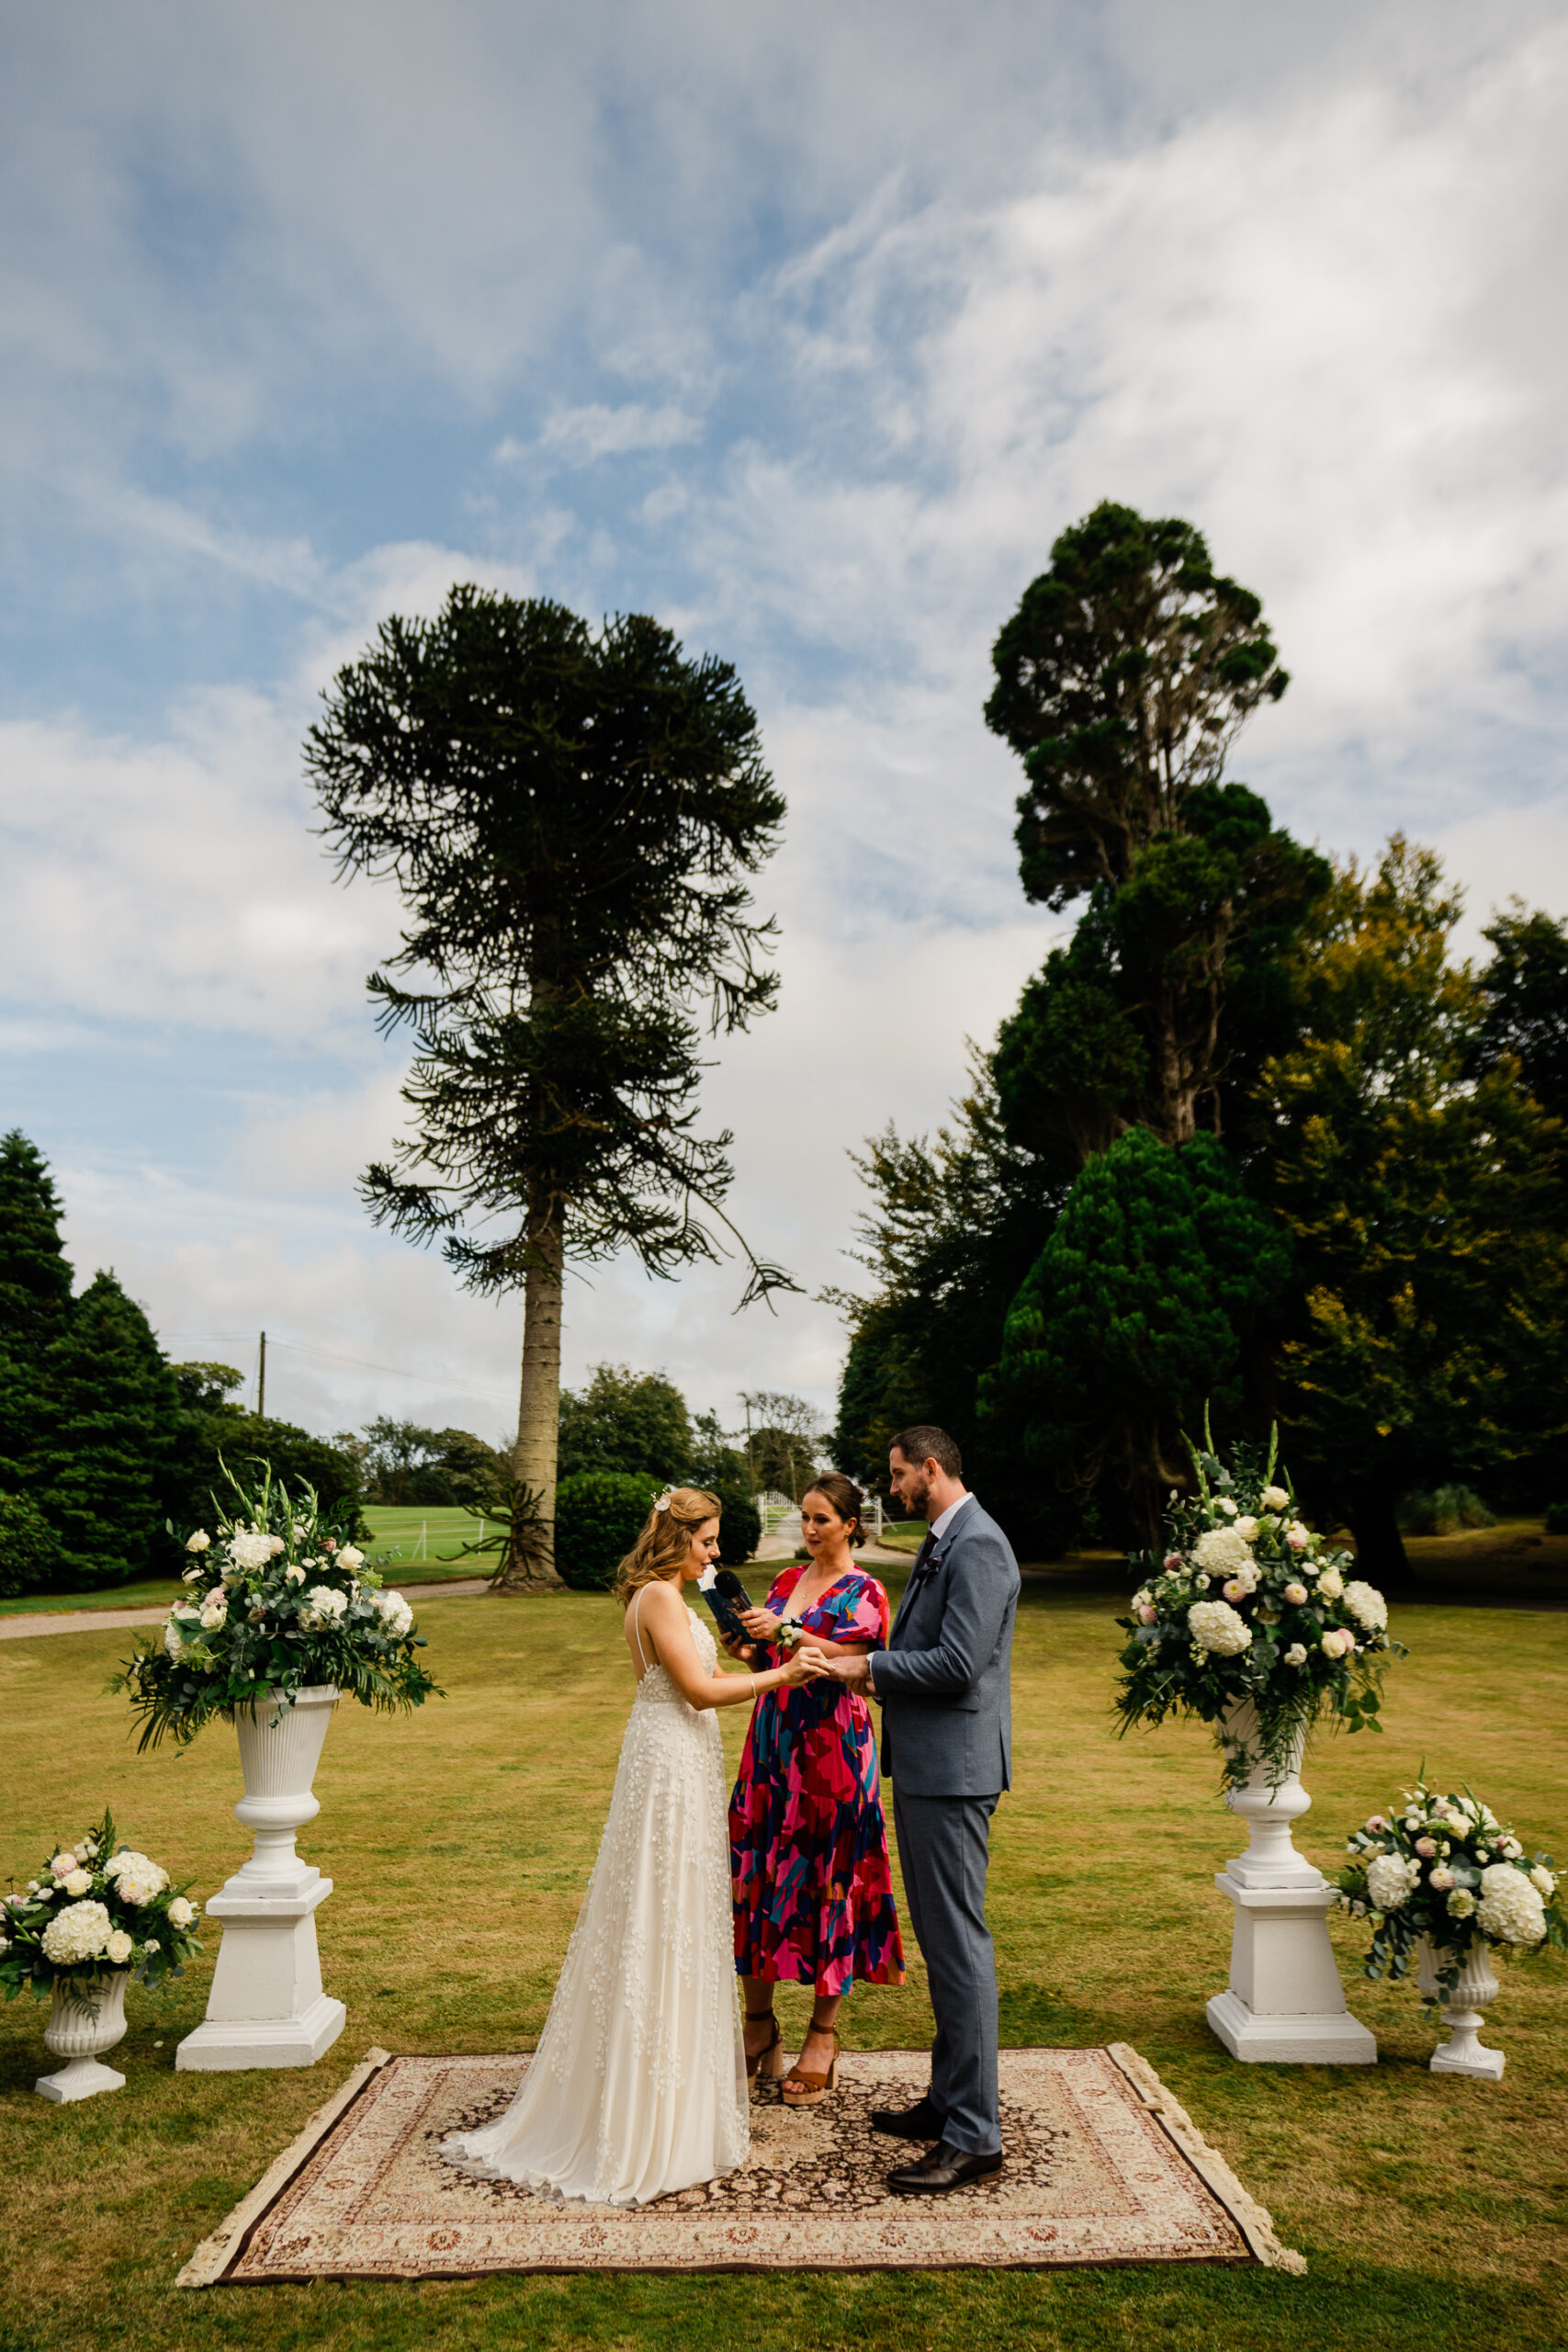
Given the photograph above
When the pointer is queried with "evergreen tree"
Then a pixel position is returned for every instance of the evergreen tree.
(1524, 992)
(35, 1296)
(1134, 1316)
(1429, 1338)
(100, 1468)
(573, 817)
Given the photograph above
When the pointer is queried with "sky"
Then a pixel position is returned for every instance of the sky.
(807, 329)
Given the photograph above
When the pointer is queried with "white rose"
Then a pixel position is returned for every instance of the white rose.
(1544, 1881)
(214, 1614)
(180, 1913)
(199, 1542)
(1337, 1641)
(1460, 1902)
(1215, 1626)
(1226, 1505)
(118, 1948)
(1331, 1584)
(1391, 1880)
(1296, 1655)
(77, 1882)
(1511, 1911)
(351, 1556)
(194, 1574)
(1274, 1499)
(1247, 1526)
(294, 1575)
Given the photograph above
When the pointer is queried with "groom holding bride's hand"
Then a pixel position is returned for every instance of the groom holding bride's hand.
(942, 1682)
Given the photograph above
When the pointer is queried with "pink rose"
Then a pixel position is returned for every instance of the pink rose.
(1149, 1613)
(1173, 1560)
(1335, 1642)
(1375, 1822)
(1235, 1590)
(1426, 1848)
(1297, 1538)
(1295, 1594)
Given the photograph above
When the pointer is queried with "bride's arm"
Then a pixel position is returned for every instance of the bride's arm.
(665, 1624)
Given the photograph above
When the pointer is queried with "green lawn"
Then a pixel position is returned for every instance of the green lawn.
(1431, 2211)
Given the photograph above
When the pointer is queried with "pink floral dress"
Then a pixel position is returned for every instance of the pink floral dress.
(807, 1841)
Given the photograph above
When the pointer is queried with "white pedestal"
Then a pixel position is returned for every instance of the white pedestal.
(1285, 2005)
(1463, 2053)
(266, 2006)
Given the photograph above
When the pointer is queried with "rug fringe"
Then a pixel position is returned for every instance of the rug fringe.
(1253, 2219)
(213, 2256)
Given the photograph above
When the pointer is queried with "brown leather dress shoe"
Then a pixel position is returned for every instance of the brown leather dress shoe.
(942, 2167)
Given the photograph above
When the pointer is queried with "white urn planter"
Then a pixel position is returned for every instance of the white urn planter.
(1462, 2052)
(266, 2006)
(84, 2019)
(1284, 2004)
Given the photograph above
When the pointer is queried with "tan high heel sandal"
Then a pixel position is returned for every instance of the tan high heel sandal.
(802, 2089)
(768, 2062)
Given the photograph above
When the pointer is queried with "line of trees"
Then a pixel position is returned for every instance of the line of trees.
(1253, 1137)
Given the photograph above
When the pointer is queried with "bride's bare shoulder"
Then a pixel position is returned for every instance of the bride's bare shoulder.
(658, 1599)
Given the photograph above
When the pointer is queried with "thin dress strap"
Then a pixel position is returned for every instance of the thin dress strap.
(636, 1629)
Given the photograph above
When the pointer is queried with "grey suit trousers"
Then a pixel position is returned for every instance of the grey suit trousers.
(943, 1845)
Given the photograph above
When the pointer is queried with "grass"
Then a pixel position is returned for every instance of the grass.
(1430, 2210)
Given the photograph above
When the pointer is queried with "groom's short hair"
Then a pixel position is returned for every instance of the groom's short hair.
(925, 1442)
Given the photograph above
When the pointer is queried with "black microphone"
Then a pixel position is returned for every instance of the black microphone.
(726, 1596)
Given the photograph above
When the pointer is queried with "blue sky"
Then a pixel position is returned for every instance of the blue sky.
(807, 329)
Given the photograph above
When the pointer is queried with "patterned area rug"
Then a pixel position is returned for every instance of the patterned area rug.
(1102, 2167)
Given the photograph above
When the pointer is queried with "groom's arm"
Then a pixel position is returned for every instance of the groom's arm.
(979, 1587)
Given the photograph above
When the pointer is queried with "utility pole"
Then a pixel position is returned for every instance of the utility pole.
(750, 1466)
(261, 1382)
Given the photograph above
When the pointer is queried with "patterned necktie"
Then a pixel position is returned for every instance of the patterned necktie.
(923, 1556)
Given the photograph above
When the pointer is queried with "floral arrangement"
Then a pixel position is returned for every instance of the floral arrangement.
(280, 1599)
(1445, 1867)
(1247, 1606)
(95, 1905)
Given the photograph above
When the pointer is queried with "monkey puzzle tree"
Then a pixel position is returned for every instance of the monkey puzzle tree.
(571, 816)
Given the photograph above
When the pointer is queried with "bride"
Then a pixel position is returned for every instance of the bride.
(637, 2087)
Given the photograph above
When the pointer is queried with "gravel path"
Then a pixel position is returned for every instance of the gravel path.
(112, 1620)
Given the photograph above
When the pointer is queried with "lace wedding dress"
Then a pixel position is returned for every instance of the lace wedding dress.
(639, 2085)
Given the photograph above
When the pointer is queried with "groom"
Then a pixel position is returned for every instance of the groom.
(946, 1739)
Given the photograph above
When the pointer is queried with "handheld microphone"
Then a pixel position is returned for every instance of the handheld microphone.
(726, 1596)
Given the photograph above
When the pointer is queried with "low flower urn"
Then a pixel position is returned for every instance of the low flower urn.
(266, 2006)
(1463, 2053)
(1284, 2005)
(86, 2018)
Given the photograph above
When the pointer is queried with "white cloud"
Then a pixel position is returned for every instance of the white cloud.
(579, 437)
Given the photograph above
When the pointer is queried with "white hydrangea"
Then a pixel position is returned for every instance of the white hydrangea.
(1544, 1881)
(1365, 1603)
(174, 1637)
(395, 1613)
(1391, 1880)
(325, 1605)
(118, 1948)
(137, 1879)
(1215, 1626)
(1510, 1911)
(248, 1550)
(1223, 1553)
(79, 1932)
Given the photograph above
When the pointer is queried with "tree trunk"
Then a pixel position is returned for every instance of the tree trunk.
(1380, 1546)
(531, 1566)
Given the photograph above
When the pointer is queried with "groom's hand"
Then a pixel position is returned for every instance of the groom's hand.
(853, 1667)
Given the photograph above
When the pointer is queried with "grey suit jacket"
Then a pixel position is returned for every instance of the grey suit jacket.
(943, 1679)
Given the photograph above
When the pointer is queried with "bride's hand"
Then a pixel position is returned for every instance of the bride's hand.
(804, 1666)
(761, 1622)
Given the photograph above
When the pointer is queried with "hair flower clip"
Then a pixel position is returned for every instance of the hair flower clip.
(664, 1500)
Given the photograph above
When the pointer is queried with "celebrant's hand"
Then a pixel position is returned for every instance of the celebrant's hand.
(761, 1622)
(745, 1651)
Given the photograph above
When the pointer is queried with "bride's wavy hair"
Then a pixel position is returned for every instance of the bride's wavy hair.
(665, 1542)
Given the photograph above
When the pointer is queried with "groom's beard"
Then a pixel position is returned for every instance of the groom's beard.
(917, 1500)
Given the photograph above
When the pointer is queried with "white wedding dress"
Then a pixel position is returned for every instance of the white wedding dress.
(638, 2088)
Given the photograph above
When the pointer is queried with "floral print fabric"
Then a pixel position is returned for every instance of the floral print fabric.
(807, 1841)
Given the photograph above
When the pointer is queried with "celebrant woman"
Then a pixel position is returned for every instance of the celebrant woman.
(807, 1841)
(637, 2087)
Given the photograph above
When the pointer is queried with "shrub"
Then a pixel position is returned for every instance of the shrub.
(740, 1529)
(1557, 1519)
(1444, 1511)
(29, 1555)
(598, 1516)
